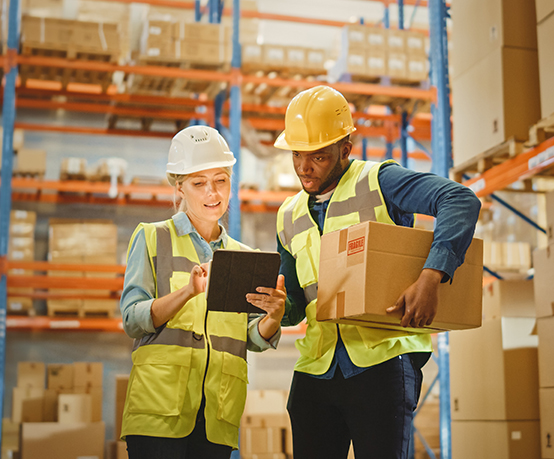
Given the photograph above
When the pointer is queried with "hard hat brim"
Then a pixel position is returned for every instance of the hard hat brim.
(192, 170)
(282, 143)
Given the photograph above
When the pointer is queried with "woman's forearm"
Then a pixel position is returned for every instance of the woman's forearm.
(164, 309)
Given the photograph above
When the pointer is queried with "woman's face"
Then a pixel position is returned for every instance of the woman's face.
(206, 194)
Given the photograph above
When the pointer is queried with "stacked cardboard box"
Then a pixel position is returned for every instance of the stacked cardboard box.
(194, 42)
(109, 13)
(376, 52)
(21, 247)
(118, 447)
(545, 35)
(265, 431)
(75, 38)
(507, 256)
(30, 162)
(10, 439)
(58, 419)
(66, 245)
(496, 73)
(543, 260)
(494, 379)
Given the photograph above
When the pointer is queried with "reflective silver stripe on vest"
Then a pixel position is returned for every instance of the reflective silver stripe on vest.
(164, 269)
(364, 202)
(310, 292)
(230, 345)
(299, 225)
(172, 337)
(165, 265)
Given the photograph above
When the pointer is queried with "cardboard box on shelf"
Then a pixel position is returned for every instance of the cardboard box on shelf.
(259, 440)
(20, 217)
(74, 408)
(60, 376)
(87, 374)
(31, 162)
(121, 382)
(356, 62)
(264, 456)
(505, 87)
(376, 38)
(273, 55)
(496, 440)
(417, 67)
(96, 37)
(27, 404)
(415, 43)
(315, 59)
(396, 41)
(543, 261)
(544, 9)
(545, 33)
(356, 36)
(46, 32)
(295, 57)
(50, 407)
(252, 53)
(31, 374)
(200, 52)
(545, 331)
(509, 298)
(356, 264)
(549, 213)
(397, 65)
(265, 408)
(52, 440)
(10, 437)
(376, 62)
(96, 396)
(199, 32)
(494, 371)
(509, 23)
(547, 422)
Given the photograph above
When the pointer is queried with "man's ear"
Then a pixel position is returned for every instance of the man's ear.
(346, 149)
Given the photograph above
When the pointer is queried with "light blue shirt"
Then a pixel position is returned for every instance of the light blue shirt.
(139, 288)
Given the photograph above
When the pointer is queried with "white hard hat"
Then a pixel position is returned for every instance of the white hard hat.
(197, 148)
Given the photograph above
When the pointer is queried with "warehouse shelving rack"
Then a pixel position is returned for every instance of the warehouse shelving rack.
(521, 167)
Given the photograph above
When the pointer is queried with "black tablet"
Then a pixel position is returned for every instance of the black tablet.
(234, 273)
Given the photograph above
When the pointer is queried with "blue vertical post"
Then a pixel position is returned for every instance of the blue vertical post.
(6, 186)
(364, 148)
(197, 11)
(442, 161)
(401, 14)
(404, 140)
(388, 150)
(235, 119)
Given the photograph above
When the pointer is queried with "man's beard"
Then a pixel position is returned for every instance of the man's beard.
(333, 177)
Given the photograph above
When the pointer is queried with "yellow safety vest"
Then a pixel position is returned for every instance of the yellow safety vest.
(197, 352)
(356, 199)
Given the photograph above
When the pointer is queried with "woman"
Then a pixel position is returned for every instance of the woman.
(187, 388)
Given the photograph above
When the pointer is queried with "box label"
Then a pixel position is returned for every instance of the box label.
(356, 246)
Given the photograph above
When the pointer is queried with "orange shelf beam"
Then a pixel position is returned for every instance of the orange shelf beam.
(91, 130)
(521, 167)
(41, 323)
(195, 74)
(52, 266)
(150, 112)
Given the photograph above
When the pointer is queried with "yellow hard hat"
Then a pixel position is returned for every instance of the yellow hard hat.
(315, 118)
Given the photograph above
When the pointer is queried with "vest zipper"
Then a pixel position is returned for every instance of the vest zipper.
(207, 362)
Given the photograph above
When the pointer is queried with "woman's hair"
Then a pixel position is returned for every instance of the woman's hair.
(181, 206)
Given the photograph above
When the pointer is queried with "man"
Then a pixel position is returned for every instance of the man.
(355, 383)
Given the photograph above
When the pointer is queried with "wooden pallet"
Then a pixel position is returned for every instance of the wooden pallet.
(541, 131)
(58, 309)
(64, 75)
(26, 174)
(488, 159)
